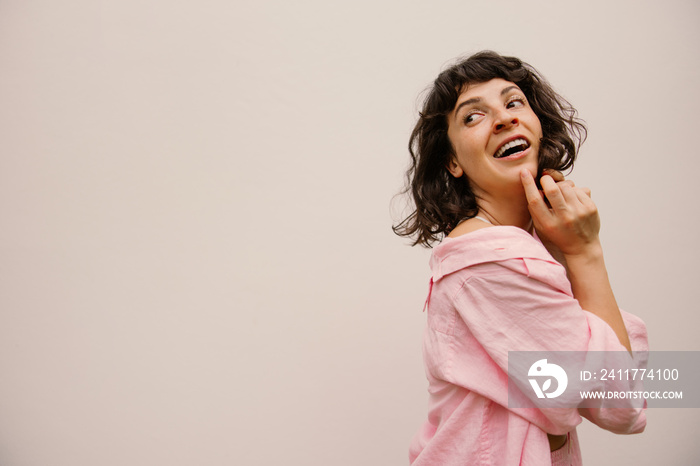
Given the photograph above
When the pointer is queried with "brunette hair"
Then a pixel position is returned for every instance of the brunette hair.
(441, 200)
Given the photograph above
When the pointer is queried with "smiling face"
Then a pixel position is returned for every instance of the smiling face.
(494, 133)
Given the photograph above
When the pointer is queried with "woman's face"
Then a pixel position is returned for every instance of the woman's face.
(494, 133)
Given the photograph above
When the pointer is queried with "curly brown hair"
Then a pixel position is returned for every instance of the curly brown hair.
(442, 201)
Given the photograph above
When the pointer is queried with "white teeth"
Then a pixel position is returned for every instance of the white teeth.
(513, 143)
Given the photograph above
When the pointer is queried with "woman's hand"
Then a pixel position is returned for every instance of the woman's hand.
(563, 214)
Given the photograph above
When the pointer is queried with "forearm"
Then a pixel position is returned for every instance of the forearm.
(591, 287)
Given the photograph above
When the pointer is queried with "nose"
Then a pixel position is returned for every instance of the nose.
(504, 120)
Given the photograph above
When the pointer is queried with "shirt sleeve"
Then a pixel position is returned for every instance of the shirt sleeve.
(621, 421)
(527, 305)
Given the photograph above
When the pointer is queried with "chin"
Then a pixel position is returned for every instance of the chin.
(533, 167)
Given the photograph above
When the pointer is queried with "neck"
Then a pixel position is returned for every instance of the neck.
(511, 211)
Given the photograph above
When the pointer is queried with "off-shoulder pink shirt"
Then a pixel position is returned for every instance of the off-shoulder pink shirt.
(496, 290)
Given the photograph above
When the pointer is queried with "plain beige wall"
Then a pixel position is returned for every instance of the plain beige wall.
(197, 261)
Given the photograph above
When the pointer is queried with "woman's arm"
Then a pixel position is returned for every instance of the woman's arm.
(591, 286)
(571, 223)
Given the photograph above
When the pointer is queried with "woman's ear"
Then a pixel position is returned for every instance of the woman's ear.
(454, 168)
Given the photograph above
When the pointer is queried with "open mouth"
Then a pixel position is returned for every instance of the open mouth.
(511, 148)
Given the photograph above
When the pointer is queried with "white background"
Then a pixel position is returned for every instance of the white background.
(197, 265)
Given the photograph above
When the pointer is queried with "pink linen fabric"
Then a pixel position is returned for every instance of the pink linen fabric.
(496, 290)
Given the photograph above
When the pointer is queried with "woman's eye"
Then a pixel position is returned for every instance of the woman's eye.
(471, 117)
(516, 102)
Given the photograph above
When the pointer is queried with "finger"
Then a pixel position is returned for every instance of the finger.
(566, 183)
(555, 174)
(569, 193)
(535, 200)
(584, 196)
(553, 192)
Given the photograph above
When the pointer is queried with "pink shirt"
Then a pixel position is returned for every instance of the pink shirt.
(494, 290)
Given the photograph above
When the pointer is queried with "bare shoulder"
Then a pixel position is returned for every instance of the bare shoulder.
(468, 226)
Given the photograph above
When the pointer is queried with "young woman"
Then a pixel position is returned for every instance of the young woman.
(490, 130)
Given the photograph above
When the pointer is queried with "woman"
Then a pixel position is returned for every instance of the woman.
(491, 128)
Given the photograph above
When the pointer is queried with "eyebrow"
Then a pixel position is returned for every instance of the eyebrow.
(475, 100)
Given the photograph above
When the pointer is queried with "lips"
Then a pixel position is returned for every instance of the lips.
(512, 147)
